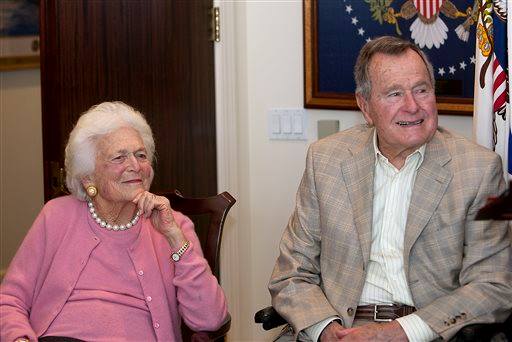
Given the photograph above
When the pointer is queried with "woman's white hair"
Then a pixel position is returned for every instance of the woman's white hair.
(104, 118)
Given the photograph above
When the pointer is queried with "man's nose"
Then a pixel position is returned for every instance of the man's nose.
(410, 103)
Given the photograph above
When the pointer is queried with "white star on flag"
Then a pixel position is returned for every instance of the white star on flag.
(354, 21)
(472, 59)
(463, 65)
(348, 9)
(452, 70)
(441, 71)
(360, 31)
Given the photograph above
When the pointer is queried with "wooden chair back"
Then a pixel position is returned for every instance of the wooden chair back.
(208, 215)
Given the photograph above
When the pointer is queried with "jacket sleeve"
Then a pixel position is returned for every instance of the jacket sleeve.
(19, 287)
(201, 300)
(295, 281)
(485, 292)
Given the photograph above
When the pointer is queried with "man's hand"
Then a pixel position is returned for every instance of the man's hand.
(391, 331)
(332, 332)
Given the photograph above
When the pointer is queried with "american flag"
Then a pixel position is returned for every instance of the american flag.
(492, 124)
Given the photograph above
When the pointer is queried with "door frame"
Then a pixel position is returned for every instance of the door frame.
(227, 154)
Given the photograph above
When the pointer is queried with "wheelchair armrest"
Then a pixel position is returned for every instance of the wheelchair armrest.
(481, 332)
(473, 332)
(269, 318)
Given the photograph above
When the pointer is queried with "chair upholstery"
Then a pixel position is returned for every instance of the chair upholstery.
(208, 215)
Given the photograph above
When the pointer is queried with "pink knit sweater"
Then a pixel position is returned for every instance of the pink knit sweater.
(56, 250)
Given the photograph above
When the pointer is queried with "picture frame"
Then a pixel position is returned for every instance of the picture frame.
(329, 54)
(19, 35)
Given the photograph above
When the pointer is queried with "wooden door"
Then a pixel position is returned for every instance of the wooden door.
(155, 55)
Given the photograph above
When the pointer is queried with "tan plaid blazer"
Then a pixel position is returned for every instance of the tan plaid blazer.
(459, 270)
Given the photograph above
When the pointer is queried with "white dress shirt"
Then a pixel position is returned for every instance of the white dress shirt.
(386, 282)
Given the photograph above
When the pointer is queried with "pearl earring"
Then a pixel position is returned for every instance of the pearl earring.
(91, 191)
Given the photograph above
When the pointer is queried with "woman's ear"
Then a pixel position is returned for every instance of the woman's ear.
(86, 181)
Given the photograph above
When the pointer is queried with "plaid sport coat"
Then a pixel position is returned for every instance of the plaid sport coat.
(459, 270)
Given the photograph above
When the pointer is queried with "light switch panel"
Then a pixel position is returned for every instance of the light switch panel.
(287, 124)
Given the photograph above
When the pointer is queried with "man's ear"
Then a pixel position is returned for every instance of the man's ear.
(364, 107)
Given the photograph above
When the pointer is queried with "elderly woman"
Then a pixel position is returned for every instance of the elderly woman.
(112, 262)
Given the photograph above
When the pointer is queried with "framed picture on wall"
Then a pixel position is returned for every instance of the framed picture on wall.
(19, 34)
(335, 31)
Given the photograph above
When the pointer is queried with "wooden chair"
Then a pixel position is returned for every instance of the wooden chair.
(208, 215)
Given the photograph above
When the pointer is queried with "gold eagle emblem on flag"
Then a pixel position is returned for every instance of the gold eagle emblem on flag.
(428, 30)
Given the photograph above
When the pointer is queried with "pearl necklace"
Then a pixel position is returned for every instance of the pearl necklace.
(108, 226)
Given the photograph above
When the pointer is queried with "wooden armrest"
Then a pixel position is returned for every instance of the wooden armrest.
(269, 318)
(219, 334)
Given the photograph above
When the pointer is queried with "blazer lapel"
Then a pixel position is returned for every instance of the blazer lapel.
(431, 183)
(358, 172)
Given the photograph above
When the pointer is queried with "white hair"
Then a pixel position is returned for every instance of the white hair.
(104, 118)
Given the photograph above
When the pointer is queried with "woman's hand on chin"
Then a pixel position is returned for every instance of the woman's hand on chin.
(158, 209)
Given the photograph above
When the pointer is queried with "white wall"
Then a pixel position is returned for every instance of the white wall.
(21, 158)
(270, 75)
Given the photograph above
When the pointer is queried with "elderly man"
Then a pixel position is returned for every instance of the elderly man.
(382, 244)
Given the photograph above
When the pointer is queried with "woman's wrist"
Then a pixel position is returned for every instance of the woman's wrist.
(176, 243)
(175, 238)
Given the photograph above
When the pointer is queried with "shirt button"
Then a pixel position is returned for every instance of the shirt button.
(453, 321)
(156, 325)
(141, 272)
(350, 311)
(148, 298)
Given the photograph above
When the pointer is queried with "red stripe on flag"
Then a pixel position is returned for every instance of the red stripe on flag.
(499, 102)
(439, 4)
(495, 63)
(498, 81)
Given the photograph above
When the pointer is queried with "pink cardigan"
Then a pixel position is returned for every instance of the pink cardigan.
(46, 268)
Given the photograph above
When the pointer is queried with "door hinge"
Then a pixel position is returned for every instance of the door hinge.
(215, 18)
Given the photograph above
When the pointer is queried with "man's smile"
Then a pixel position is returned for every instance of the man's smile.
(410, 123)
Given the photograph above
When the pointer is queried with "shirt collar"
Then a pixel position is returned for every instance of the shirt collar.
(379, 156)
